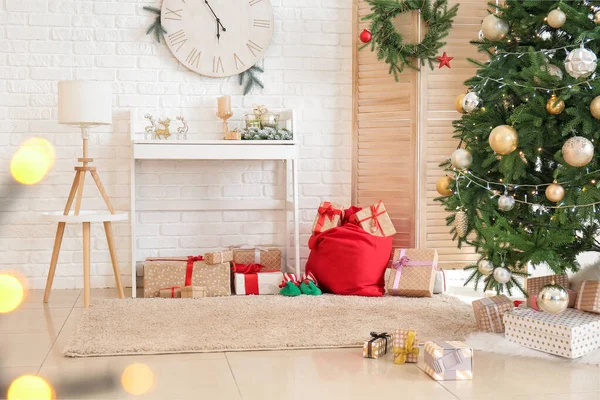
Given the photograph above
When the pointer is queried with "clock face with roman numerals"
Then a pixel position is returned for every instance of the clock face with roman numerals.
(218, 38)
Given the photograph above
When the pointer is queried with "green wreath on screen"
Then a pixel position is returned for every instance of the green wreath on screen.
(387, 41)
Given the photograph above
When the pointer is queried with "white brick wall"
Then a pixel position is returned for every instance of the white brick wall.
(41, 41)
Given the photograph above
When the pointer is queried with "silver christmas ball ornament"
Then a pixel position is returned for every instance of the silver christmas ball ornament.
(581, 63)
(554, 71)
(461, 159)
(480, 35)
(494, 28)
(502, 274)
(553, 298)
(506, 202)
(578, 151)
(471, 102)
(485, 267)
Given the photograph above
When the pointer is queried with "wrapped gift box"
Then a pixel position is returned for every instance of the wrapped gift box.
(535, 284)
(376, 220)
(252, 279)
(489, 313)
(170, 293)
(588, 298)
(186, 271)
(219, 257)
(570, 334)
(193, 292)
(329, 215)
(413, 272)
(377, 345)
(270, 257)
(406, 344)
(448, 361)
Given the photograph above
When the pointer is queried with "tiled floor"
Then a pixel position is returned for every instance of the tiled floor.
(32, 338)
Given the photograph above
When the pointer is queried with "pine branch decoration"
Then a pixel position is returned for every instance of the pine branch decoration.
(156, 27)
(249, 76)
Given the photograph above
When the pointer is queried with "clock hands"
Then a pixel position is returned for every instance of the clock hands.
(219, 24)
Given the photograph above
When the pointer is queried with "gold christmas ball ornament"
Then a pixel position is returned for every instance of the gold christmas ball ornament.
(553, 298)
(443, 184)
(557, 18)
(485, 267)
(555, 192)
(459, 103)
(471, 102)
(494, 28)
(555, 105)
(595, 107)
(597, 17)
(502, 274)
(504, 139)
(581, 63)
(461, 223)
(578, 151)
(461, 159)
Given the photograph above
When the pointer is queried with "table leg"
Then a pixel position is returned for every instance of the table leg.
(79, 192)
(296, 216)
(86, 264)
(60, 231)
(113, 257)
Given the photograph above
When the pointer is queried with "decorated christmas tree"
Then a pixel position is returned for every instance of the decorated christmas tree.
(523, 186)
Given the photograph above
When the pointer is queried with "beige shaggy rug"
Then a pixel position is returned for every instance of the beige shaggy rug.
(237, 323)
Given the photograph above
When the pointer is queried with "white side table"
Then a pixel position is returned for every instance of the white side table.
(85, 218)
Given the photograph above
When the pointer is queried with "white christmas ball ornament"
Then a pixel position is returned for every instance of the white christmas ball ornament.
(461, 159)
(506, 203)
(485, 267)
(502, 274)
(557, 18)
(581, 63)
(578, 151)
(554, 71)
(471, 102)
(494, 28)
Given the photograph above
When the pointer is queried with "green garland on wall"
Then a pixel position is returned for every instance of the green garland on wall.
(248, 78)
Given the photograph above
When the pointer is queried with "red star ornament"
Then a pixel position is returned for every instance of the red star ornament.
(444, 60)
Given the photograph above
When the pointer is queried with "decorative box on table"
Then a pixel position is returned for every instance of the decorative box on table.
(254, 279)
(377, 345)
(588, 298)
(376, 220)
(489, 313)
(186, 271)
(413, 272)
(329, 215)
(570, 334)
(268, 257)
(534, 285)
(219, 257)
(448, 361)
(406, 346)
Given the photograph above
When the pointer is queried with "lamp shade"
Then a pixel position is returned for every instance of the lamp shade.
(84, 103)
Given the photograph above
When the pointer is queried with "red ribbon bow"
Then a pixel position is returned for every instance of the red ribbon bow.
(326, 210)
(189, 270)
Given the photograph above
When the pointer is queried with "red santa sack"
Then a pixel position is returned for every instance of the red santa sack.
(349, 261)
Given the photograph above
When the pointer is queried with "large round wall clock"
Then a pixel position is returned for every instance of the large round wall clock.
(218, 38)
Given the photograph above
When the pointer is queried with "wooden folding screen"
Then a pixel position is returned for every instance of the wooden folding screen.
(403, 130)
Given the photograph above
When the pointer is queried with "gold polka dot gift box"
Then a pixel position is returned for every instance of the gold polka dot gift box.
(377, 345)
(448, 361)
(162, 273)
(489, 313)
(570, 334)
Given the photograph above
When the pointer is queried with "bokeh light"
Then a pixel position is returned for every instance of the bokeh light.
(32, 161)
(137, 379)
(11, 293)
(30, 387)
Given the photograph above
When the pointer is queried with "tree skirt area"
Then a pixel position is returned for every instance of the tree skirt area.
(239, 323)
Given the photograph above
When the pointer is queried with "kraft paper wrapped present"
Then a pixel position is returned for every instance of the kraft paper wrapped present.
(253, 279)
(448, 361)
(413, 272)
(570, 334)
(406, 346)
(219, 257)
(170, 293)
(329, 215)
(376, 220)
(377, 345)
(588, 298)
(186, 271)
(193, 292)
(535, 284)
(269, 257)
(489, 313)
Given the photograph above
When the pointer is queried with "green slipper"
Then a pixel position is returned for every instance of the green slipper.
(290, 289)
(309, 288)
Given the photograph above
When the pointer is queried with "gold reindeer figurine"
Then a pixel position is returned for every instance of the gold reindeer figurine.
(163, 133)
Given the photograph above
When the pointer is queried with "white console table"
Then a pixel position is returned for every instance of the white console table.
(286, 151)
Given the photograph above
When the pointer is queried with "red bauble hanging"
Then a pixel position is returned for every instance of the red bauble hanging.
(366, 36)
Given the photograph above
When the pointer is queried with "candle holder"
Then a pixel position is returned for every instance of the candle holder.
(225, 115)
